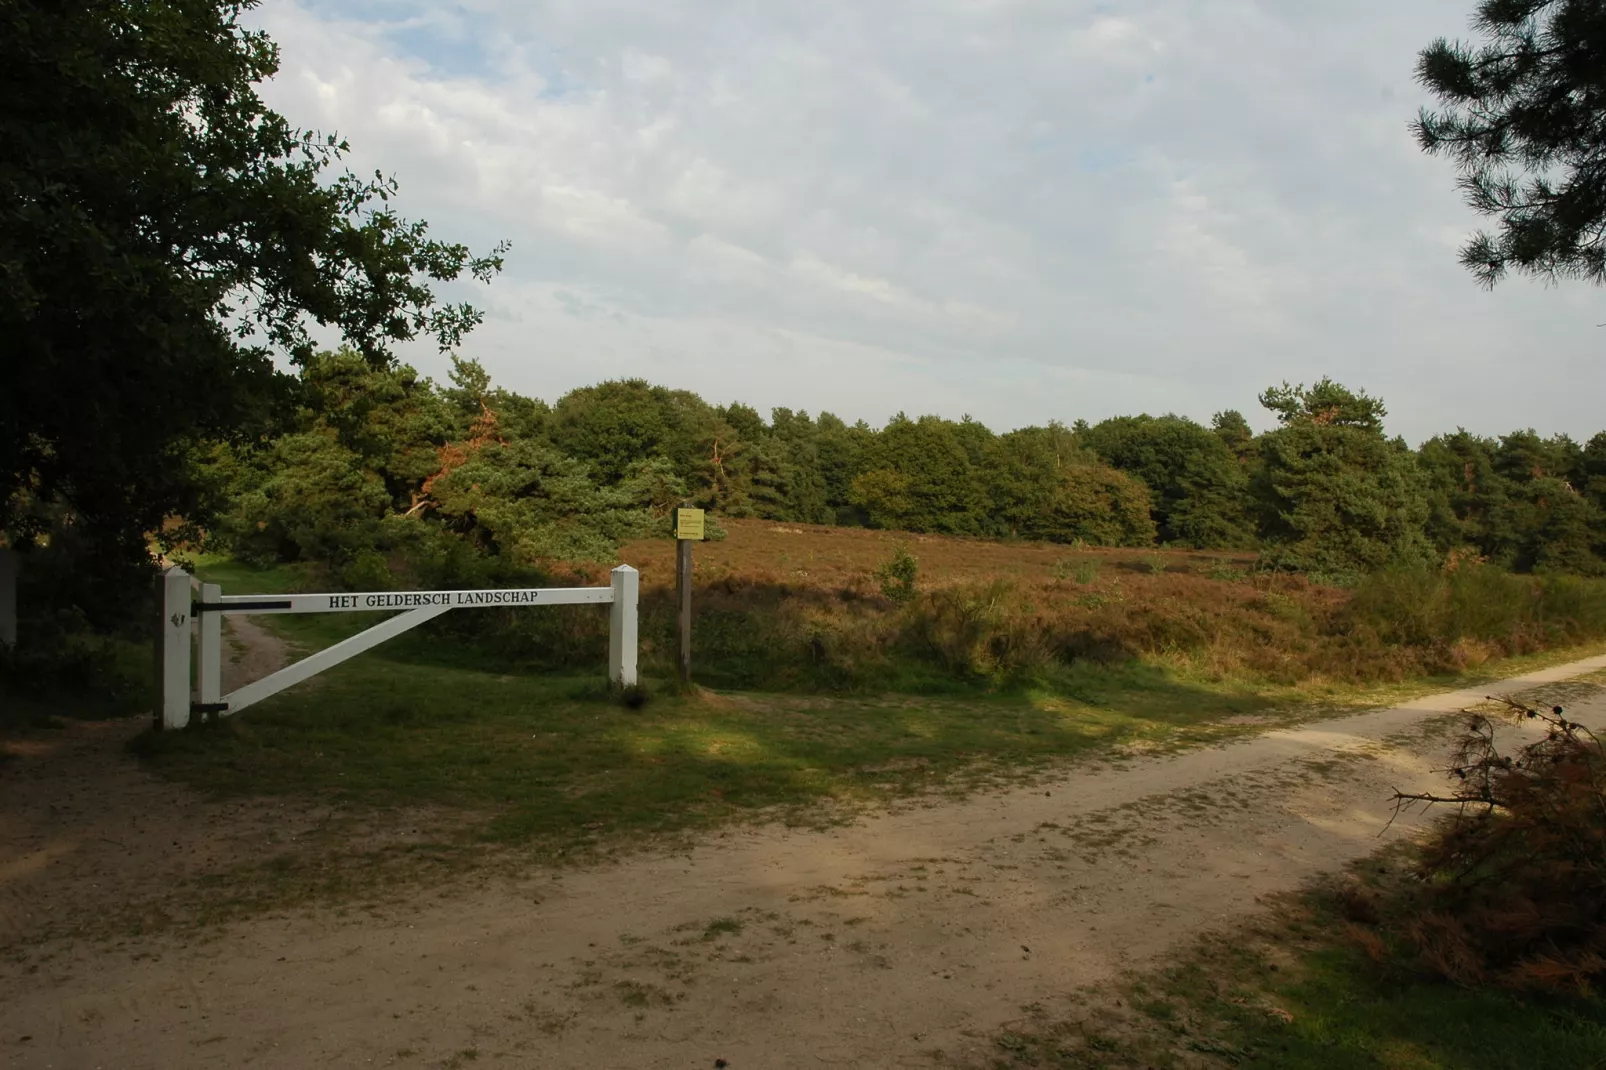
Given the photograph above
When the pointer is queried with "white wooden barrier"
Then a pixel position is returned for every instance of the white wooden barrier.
(189, 606)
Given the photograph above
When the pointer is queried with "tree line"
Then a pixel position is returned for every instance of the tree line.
(381, 461)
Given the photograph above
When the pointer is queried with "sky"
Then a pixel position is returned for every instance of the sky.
(1014, 210)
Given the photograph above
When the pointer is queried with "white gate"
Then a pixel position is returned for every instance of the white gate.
(183, 613)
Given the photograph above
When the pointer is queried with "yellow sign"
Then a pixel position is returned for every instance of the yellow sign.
(688, 524)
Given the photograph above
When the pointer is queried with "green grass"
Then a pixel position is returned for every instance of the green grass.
(1292, 993)
(551, 761)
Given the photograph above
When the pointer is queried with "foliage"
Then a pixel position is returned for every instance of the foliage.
(1325, 493)
(1514, 890)
(162, 235)
(1523, 123)
(897, 575)
(1095, 505)
(1198, 485)
(1467, 611)
(1521, 501)
(1336, 496)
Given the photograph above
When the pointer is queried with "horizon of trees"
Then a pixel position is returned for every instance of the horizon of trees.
(381, 462)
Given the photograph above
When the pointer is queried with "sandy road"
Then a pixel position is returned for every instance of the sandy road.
(879, 945)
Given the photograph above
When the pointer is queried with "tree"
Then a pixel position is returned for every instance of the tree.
(1098, 505)
(942, 488)
(615, 425)
(1199, 487)
(163, 237)
(1336, 495)
(1524, 120)
(797, 440)
(526, 503)
(1024, 481)
(1467, 494)
(1231, 427)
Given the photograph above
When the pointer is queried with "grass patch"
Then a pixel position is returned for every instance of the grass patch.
(549, 762)
(1293, 992)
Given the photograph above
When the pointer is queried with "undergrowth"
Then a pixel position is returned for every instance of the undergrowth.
(1512, 884)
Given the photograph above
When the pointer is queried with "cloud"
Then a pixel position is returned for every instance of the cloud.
(1021, 210)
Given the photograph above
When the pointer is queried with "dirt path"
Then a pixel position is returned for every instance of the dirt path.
(904, 940)
(82, 824)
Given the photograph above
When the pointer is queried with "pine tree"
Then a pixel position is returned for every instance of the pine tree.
(1524, 120)
(1336, 495)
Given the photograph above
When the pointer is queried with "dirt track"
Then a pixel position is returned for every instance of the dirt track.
(880, 945)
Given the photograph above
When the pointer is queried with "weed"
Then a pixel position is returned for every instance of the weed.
(638, 994)
(1082, 570)
(721, 927)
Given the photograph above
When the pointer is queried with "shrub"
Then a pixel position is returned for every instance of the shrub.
(1437, 607)
(1084, 571)
(979, 631)
(897, 575)
(1514, 883)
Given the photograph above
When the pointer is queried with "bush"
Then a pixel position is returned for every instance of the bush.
(898, 575)
(1514, 883)
(61, 665)
(985, 632)
(1437, 608)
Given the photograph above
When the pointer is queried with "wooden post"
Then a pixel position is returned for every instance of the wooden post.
(683, 590)
(173, 681)
(210, 651)
(687, 526)
(622, 643)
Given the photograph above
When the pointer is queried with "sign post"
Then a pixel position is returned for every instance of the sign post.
(688, 527)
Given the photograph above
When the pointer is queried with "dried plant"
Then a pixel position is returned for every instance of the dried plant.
(1513, 884)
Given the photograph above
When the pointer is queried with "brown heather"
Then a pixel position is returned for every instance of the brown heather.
(798, 606)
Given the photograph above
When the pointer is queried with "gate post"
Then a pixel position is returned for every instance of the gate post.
(210, 672)
(626, 583)
(173, 683)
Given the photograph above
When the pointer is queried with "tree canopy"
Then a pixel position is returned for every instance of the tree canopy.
(381, 462)
(164, 238)
(1337, 496)
(1524, 119)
